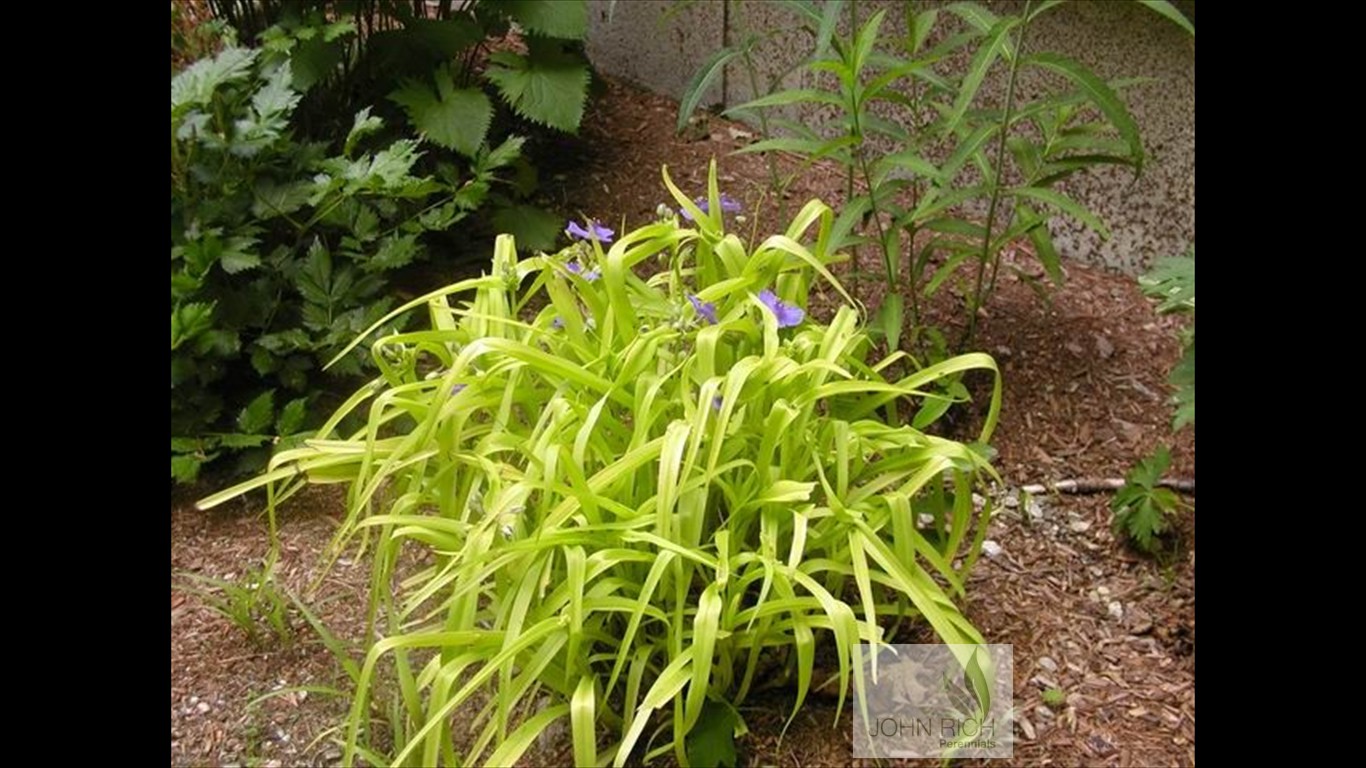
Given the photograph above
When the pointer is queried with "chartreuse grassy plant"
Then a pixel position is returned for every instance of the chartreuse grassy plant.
(637, 495)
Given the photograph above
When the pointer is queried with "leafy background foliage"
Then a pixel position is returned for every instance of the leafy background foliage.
(631, 509)
(285, 236)
(940, 178)
(1143, 510)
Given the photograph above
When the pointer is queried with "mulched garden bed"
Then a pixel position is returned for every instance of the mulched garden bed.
(1085, 396)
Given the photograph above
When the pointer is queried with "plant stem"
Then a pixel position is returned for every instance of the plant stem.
(978, 297)
(773, 182)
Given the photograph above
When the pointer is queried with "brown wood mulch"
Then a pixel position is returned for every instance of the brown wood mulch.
(1085, 396)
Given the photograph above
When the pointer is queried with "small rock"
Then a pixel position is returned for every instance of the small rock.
(1080, 526)
(1103, 347)
(1103, 591)
(1115, 609)
(194, 700)
(1139, 622)
(1048, 663)
(1099, 744)
(1035, 510)
(978, 501)
(1011, 500)
(925, 520)
(991, 548)
(202, 707)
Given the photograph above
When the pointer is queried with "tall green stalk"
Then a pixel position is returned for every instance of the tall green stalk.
(977, 292)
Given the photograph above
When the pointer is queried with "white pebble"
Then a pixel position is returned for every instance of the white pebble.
(991, 548)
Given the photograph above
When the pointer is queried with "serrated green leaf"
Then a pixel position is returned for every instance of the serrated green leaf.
(189, 321)
(547, 87)
(292, 416)
(394, 251)
(552, 18)
(284, 342)
(270, 200)
(454, 118)
(185, 468)
(233, 440)
(507, 152)
(314, 281)
(1173, 281)
(276, 99)
(195, 85)
(363, 125)
(255, 419)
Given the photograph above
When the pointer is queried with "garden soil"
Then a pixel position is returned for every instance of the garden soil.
(1085, 396)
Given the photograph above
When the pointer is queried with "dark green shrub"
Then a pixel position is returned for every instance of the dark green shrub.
(280, 249)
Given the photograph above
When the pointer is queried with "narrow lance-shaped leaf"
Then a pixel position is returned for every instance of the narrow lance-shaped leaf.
(700, 82)
(1099, 94)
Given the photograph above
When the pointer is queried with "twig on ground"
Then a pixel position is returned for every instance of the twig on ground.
(1103, 485)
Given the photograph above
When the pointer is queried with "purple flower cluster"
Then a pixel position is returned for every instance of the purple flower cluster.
(705, 309)
(728, 205)
(788, 315)
(577, 268)
(595, 231)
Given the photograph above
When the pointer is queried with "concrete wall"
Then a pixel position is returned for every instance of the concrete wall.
(660, 44)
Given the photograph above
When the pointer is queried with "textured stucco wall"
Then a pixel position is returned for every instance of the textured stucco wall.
(660, 44)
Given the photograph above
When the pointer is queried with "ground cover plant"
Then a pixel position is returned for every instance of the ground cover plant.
(1143, 511)
(641, 497)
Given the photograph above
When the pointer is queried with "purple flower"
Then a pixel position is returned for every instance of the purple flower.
(577, 268)
(728, 205)
(787, 314)
(457, 389)
(557, 323)
(595, 231)
(716, 403)
(705, 309)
